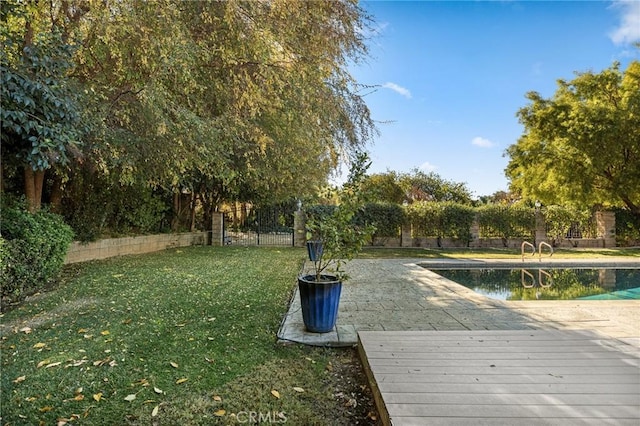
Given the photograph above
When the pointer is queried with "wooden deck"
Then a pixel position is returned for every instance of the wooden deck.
(523, 377)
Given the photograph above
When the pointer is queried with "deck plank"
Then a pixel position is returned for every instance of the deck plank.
(502, 377)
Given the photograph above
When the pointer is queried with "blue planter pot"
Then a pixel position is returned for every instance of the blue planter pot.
(320, 301)
(314, 249)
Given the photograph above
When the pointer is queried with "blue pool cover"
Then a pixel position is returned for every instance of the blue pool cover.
(632, 293)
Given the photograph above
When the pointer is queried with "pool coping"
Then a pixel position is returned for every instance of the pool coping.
(619, 263)
(403, 294)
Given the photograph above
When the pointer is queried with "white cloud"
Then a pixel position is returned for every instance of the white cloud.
(629, 29)
(482, 142)
(428, 167)
(398, 89)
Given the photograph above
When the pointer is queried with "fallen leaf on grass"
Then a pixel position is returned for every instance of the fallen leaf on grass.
(105, 332)
(157, 390)
(106, 361)
(76, 363)
(298, 389)
(45, 409)
(31, 399)
(130, 397)
(351, 402)
(179, 381)
(173, 364)
(78, 397)
(154, 412)
(55, 364)
(39, 345)
(20, 379)
(217, 398)
(26, 330)
(219, 413)
(97, 396)
(83, 330)
(275, 393)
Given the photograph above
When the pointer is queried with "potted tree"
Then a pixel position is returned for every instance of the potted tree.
(340, 240)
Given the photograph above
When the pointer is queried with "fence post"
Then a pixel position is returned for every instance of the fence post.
(606, 227)
(405, 236)
(299, 234)
(475, 233)
(541, 228)
(217, 229)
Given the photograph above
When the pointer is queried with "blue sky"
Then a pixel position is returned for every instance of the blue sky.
(451, 76)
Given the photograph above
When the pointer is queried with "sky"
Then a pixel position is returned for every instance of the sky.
(450, 76)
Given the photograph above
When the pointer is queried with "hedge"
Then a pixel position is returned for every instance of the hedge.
(441, 219)
(32, 249)
(387, 218)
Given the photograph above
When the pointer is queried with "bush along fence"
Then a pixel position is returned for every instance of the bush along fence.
(449, 224)
(32, 251)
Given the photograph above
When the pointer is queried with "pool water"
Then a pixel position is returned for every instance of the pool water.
(548, 283)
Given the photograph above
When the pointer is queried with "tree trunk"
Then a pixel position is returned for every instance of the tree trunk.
(193, 205)
(56, 195)
(175, 220)
(33, 182)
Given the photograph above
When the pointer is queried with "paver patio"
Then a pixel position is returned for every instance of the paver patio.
(402, 306)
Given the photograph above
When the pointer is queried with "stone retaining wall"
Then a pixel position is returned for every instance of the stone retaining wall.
(102, 249)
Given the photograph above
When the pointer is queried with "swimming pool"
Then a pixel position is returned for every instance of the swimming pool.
(547, 283)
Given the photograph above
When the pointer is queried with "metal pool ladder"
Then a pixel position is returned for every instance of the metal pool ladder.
(533, 249)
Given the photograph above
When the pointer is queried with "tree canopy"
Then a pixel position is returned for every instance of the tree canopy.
(582, 146)
(416, 185)
(233, 100)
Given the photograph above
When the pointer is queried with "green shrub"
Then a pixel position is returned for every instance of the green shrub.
(499, 221)
(33, 248)
(560, 220)
(627, 228)
(95, 207)
(441, 219)
(425, 218)
(388, 218)
(457, 220)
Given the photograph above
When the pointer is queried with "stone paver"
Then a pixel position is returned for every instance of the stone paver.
(397, 294)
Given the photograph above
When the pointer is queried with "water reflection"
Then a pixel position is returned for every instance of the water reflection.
(546, 284)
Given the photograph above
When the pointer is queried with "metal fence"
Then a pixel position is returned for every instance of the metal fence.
(248, 225)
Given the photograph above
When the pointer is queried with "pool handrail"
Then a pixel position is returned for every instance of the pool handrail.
(544, 243)
(526, 244)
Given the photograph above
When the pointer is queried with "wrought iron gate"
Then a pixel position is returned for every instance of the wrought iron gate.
(249, 225)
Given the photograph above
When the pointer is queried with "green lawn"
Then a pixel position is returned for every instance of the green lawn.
(184, 336)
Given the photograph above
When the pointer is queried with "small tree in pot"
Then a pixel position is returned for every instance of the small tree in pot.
(341, 240)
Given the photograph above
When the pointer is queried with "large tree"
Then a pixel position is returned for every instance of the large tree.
(423, 186)
(41, 126)
(231, 100)
(582, 146)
